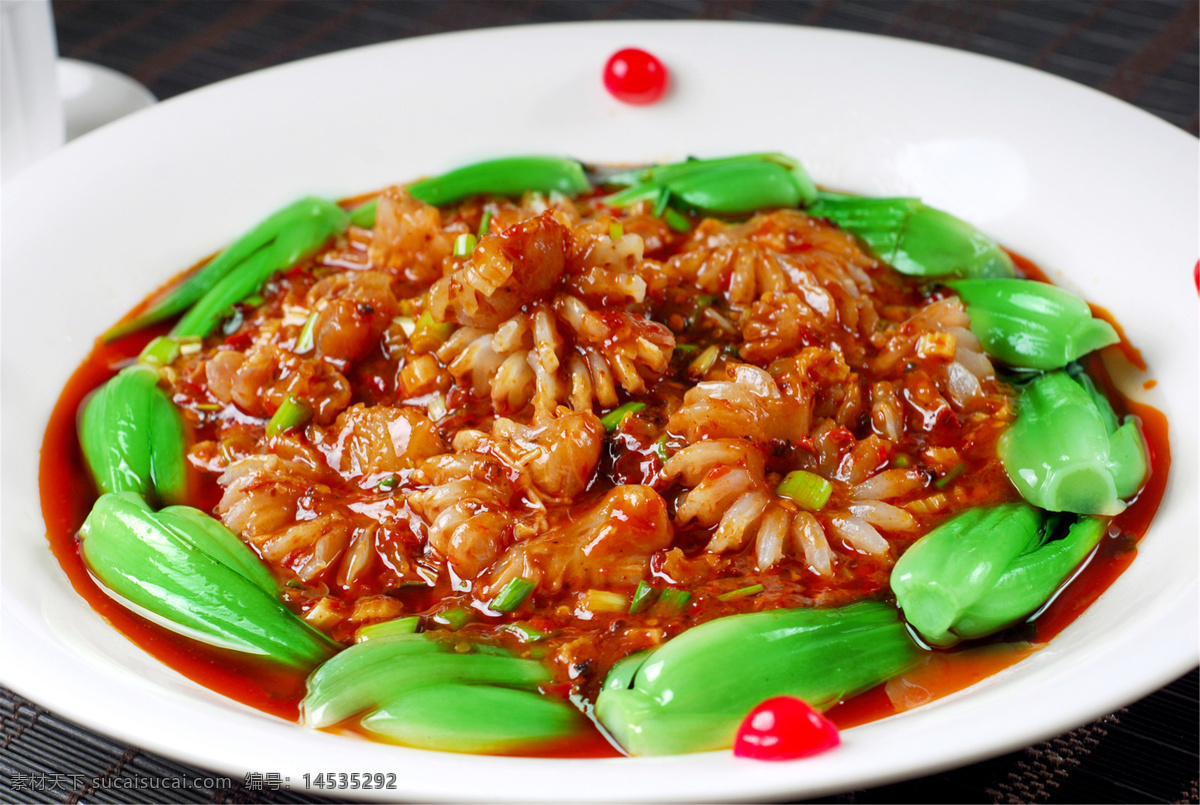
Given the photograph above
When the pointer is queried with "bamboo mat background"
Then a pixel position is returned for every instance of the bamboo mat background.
(1141, 51)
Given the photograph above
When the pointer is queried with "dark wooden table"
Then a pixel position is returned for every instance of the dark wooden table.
(1142, 52)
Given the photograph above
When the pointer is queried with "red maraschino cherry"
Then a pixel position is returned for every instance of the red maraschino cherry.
(635, 76)
(784, 728)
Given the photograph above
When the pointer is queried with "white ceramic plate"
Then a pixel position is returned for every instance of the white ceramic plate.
(1103, 196)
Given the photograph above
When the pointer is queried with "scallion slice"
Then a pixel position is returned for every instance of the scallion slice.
(733, 595)
(806, 488)
(512, 595)
(643, 597)
(305, 341)
(613, 419)
(464, 244)
(292, 413)
(673, 601)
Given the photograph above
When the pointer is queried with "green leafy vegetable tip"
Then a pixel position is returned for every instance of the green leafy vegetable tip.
(916, 239)
(728, 185)
(1066, 452)
(133, 438)
(987, 569)
(427, 692)
(186, 572)
(301, 237)
(198, 285)
(509, 176)
(1032, 325)
(691, 693)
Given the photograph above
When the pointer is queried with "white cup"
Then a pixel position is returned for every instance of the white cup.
(31, 111)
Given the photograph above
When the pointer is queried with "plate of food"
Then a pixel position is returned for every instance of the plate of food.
(427, 421)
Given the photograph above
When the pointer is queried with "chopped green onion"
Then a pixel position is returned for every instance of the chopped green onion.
(704, 362)
(464, 244)
(901, 460)
(454, 617)
(388, 484)
(512, 595)
(253, 300)
(672, 601)
(613, 419)
(162, 350)
(405, 625)
(427, 334)
(616, 231)
(604, 601)
(808, 489)
(485, 224)
(306, 340)
(292, 413)
(643, 597)
(733, 595)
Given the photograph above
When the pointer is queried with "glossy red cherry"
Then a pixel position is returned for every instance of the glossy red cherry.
(635, 76)
(784, 728)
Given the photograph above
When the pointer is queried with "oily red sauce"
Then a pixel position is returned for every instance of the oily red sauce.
(67, 494)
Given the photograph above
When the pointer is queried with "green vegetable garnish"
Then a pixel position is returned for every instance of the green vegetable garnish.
(987, 569)
(914, 238)
(729, 185)
(482, 719)
(187, 573)
(1032, 325)
(1067, 452)
(298, 240)
(510, 176)
(258, 248)
(691, 693)
(369, 675)
(133, 438)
